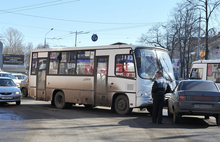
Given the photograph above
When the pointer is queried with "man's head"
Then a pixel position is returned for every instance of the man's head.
(159, 74)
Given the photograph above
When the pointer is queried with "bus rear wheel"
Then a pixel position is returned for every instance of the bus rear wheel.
(122, 105)
(60, 101)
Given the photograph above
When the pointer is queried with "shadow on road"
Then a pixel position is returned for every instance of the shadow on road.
(137, 119)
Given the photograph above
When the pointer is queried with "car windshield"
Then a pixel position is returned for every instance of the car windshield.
(7, 82)
(7, 75)
(199, 86)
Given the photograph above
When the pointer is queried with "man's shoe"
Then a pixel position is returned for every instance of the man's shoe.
(160, 122)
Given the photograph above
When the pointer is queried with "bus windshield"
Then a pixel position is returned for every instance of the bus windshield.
(149, 64)
(148, 67)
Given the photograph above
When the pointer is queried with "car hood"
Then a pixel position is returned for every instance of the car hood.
(8, 89)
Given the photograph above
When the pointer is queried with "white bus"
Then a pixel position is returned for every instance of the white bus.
(119, 76)
(206, 70)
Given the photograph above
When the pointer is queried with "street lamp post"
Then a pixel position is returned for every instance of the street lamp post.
(77, 33)
(45, 37)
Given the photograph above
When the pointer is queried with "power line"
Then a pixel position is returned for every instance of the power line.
(34, 6)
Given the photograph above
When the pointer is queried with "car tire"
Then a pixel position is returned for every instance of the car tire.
(24, 92)
(217, 119)
(60, 101)
(18, 102)
(122, 105)
(168, 112)
(176, 117)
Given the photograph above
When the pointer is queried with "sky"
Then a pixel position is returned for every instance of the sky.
(111, 20)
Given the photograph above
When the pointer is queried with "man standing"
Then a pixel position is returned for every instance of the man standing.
(159, 89)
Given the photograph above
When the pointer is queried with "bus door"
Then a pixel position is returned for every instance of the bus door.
(101, 78)
(41, 80)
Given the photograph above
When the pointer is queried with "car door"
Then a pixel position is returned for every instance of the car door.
(173, 96)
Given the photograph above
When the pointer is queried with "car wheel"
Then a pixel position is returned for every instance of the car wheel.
(60, 101)
(206, 116)
(24, 92)
(150, 109)
(218, 119)
(122, 105)
(168, 112)
(176, 117)
(18, 102)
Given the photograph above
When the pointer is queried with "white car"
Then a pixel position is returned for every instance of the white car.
(8, 91)
(9, 75)
(19, 76)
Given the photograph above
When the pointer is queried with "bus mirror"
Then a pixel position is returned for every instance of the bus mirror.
(138, 62)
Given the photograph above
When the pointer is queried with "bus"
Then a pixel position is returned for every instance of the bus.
(119, 76)
(206, 70)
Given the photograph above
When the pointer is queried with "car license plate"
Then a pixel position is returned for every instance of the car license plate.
(202, 106)
(6, 98)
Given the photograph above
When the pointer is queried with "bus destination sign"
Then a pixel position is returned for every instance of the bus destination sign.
(10, 59)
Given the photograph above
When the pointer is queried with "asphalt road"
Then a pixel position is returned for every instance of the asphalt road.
(38, 121)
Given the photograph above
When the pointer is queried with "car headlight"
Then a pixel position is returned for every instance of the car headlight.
(17, 92)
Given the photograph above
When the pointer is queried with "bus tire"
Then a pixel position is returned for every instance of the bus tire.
(60, 101)
(122, 105)
(88, 106)
(24, 92)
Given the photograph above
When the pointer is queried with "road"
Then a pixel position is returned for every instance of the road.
(38, 121)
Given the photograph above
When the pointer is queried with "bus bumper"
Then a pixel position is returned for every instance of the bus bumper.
(143, 101)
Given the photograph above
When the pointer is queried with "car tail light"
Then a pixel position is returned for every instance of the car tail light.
(182, 98)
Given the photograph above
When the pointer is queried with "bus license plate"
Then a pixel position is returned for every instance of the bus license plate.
(202, 106)
(6, 98)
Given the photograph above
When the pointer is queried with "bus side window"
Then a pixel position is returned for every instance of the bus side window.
(34, 64)
(124, 66)
(196, 73)
(213, 72)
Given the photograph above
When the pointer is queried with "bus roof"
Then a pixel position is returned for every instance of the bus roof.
(206, 61)
(112, 46)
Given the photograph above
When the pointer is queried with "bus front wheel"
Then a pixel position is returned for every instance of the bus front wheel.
(122, 105)
(60, 101)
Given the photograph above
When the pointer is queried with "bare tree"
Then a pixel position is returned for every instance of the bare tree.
(208, 7)
(153, 36)
(13, 41)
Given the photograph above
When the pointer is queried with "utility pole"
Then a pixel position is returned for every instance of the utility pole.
(197, 55)
(45, 37)
(78, 33)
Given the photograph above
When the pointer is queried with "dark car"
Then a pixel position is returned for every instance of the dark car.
(194, 97)
(24, 87)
